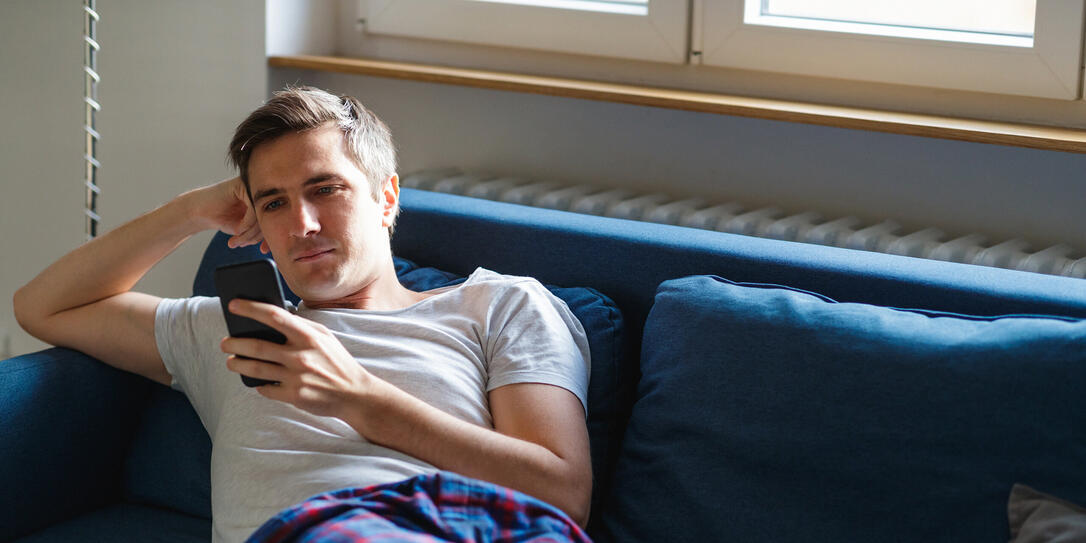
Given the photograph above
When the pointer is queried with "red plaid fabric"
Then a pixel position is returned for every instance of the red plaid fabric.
(439, 507)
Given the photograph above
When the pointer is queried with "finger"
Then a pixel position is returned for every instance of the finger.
(249, 232)
(238, 243)
(243, 233)
(274, 392)
(258, 349)
(248, 237)
(257, 369)
(255, 238)
(294, 328)
(249, 222)
(264, 247)
(244, 239)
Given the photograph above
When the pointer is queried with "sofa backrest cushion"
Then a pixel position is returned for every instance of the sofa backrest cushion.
(626, 260)
(766, 413)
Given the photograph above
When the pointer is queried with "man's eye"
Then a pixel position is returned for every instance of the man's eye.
(274, 204)
(326, 190)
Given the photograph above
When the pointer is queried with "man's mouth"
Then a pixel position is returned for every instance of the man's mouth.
(309, 256)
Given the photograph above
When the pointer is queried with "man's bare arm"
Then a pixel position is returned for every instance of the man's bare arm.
(83, 301)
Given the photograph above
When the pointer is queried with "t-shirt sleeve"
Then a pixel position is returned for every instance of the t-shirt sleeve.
(187, 333)
(535, 338)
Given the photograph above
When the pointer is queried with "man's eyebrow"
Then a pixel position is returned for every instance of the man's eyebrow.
(319, 178)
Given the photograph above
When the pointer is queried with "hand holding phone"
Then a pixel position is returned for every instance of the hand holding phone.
(257, 280)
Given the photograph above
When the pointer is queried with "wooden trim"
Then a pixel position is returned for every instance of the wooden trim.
(932, 126)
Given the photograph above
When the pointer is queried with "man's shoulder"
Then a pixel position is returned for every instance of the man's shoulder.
(508, 294)
(500, 281)
(499, 288)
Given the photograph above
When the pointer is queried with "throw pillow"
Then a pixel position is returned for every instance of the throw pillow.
(766, 413)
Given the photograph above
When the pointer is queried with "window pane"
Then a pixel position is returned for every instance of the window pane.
(1006, 17)
(628, 7)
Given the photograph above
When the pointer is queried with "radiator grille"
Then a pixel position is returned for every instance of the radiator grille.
(768, 222)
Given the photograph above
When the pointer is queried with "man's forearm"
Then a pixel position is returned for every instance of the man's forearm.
(108, 265)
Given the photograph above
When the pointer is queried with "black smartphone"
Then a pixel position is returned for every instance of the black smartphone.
(256, 280)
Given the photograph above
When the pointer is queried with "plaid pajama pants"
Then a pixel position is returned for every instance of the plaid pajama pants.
(440, 507)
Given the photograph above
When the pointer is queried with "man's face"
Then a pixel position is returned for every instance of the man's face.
(317, 214)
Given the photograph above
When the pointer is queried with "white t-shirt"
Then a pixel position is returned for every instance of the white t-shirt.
(448, 350)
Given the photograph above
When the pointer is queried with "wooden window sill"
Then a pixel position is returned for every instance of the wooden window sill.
(932, 126)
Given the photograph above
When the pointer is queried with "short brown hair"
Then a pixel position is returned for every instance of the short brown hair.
(297, 109)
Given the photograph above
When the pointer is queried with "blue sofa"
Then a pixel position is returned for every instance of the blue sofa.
(773, 394)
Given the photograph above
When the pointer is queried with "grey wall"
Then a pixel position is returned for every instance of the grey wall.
(177, 77)
(41, 145)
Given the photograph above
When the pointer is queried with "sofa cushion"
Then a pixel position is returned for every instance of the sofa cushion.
(169, 464)
(126, 522)
(766, 413)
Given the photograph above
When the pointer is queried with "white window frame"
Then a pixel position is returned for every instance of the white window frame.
(659, 36)
(1048, 69)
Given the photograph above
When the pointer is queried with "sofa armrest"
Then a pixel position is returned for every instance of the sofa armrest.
(66, 421)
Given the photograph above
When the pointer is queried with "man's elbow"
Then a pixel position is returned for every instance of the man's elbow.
(23, 311)
(581, 513)
(30, 318)
(577, 502)
(581, 518)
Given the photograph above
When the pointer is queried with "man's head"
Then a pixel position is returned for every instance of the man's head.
(298, 109)
(320, 173)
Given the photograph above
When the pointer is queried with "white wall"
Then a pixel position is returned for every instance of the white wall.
(177, 77)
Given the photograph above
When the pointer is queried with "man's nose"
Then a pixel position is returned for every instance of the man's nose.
(305, 222)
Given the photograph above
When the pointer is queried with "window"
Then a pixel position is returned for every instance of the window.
(992, 22)
(628, 7)
(1021, 47)
(639, 29)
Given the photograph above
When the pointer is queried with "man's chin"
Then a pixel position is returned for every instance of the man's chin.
(309, 289)
(308, 292)
(320, 291)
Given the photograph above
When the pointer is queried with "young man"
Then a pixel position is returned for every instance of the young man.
(376, 383)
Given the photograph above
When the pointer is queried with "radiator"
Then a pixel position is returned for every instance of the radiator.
(768, 222)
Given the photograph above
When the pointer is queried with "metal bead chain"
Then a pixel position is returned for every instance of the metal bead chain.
(91, 109)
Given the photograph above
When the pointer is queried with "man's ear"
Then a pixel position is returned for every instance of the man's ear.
(390, 200)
